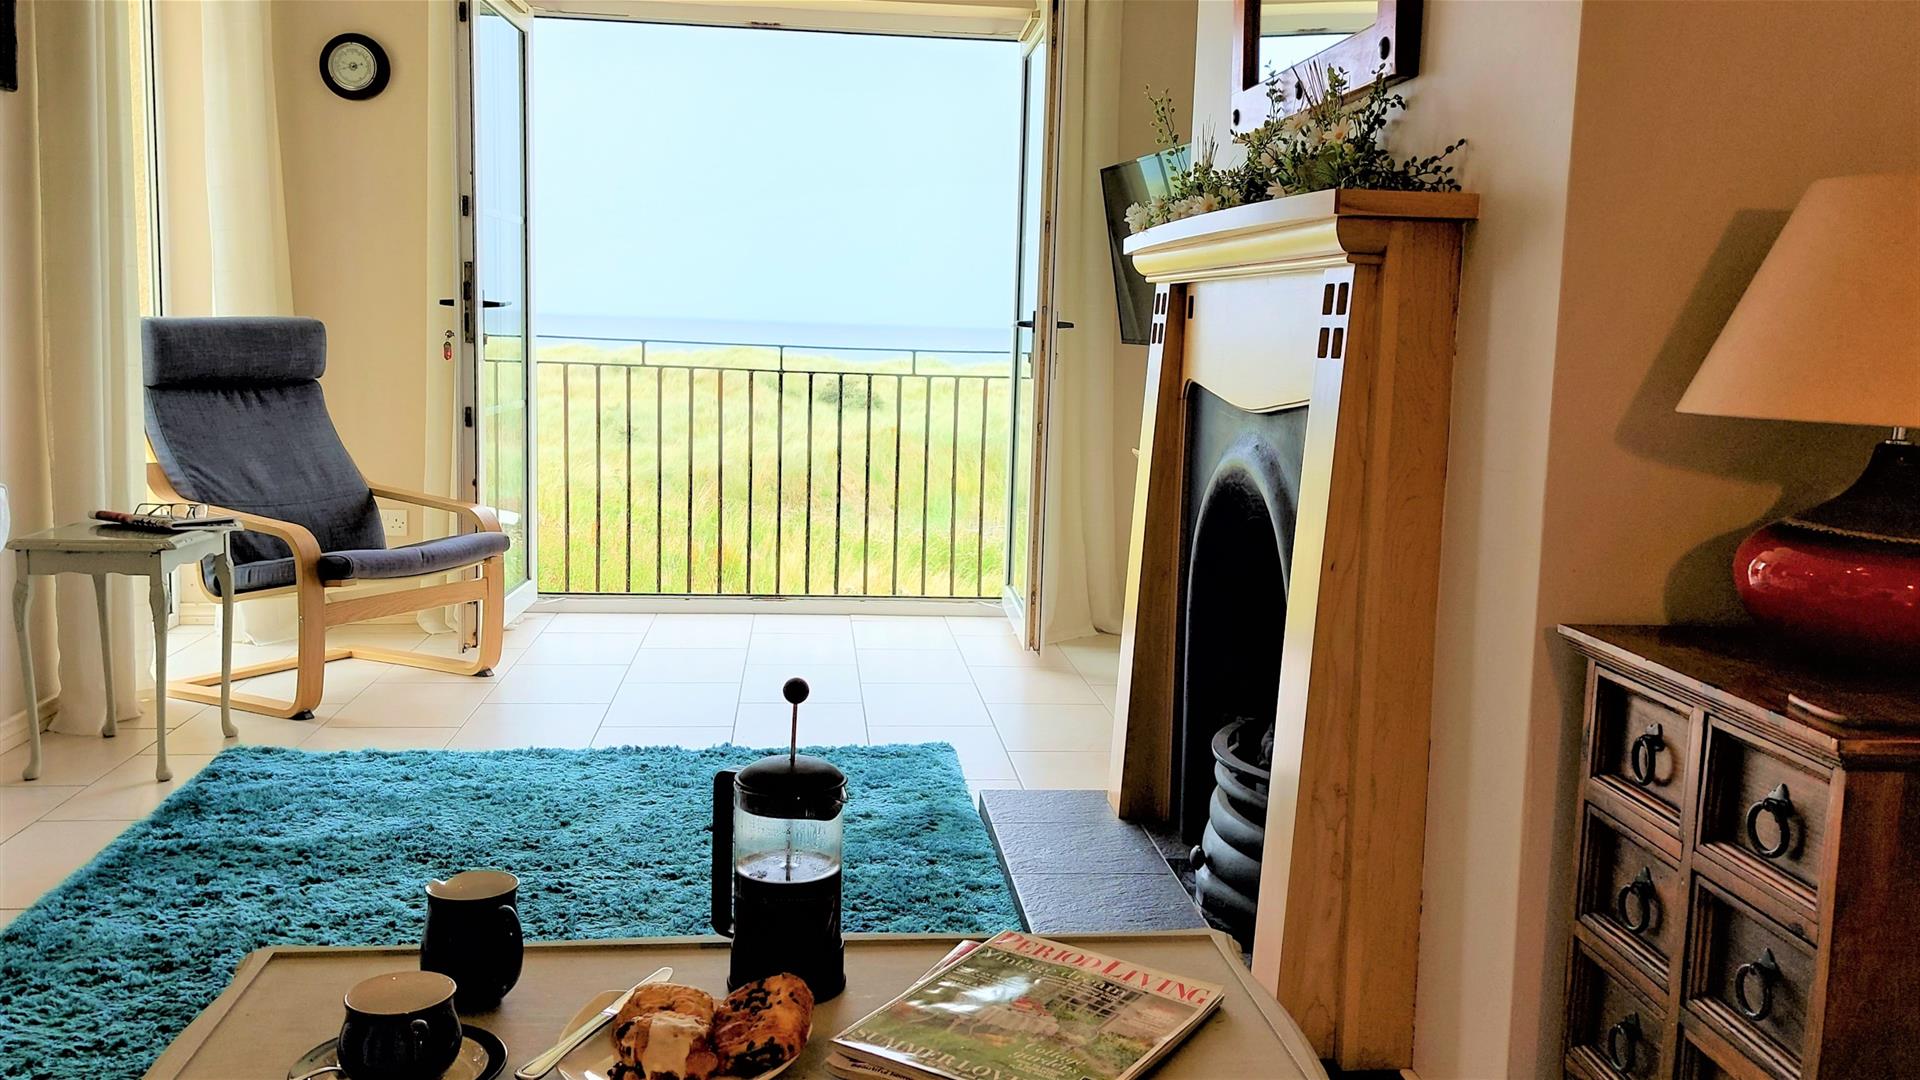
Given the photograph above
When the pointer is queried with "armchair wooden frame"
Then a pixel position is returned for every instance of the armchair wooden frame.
(486, 586)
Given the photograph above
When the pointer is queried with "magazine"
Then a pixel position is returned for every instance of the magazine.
(1020, 1007)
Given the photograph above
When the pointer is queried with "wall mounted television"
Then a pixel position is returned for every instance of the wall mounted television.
(1121, 186)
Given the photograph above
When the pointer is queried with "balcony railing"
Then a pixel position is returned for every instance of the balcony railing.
(695, 468)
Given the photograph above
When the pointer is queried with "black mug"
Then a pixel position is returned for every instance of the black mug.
(400, 1026)
(473, 935)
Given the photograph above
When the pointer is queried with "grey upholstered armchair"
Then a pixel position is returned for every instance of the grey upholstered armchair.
(236, 420)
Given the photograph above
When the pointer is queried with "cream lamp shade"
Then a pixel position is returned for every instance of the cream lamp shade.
(1829, 329)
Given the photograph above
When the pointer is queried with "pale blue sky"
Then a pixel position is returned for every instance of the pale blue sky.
(695, 173)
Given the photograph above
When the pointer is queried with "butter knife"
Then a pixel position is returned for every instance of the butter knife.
(546, 1062)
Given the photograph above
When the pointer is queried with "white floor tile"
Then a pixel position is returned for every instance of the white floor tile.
(129, 792)
(342, 681)
(820, 625)
(981, 755)
(674, 705)
(1054, 727)
(800, 649)
(408, 704)
(202, 734)
(688, 665)
(901, 632)
(826, 683)
(1007, 652)
(1108, 693)
(693, 738)
(1009, 685)
(508, 727)
(975, 787)
(68, 760)
(23, 804)
(378, 738)
(820, 725)
(979, 626)
(924, 704)
(554, 647)
(558, 684)
(522, 632)
(1096, 657)
(1042, 770)
(913, 666)
(600, 622)
(700, 632)
(402, 673)
(41, 856)
(179, 711)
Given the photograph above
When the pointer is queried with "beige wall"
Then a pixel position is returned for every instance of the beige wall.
(1156, 49)
(1688, 154)
(23, 466)
(369, 258)
(1634, 162)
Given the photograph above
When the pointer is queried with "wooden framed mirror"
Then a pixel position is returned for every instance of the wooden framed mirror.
(1294, 37)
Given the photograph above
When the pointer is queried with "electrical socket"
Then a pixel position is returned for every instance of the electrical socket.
(395, 522)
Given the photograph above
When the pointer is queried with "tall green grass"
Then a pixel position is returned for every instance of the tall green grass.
(704, 469)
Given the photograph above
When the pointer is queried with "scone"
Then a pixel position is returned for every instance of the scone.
(763, 1024)
(665, 1033)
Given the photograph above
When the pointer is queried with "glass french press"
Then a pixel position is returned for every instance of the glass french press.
(776, 865)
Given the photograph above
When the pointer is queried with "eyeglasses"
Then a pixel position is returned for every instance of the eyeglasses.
(167, 509)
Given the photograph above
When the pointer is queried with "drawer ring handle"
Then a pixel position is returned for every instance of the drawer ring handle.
(1642, 754)
(1623, 1043)
(1767, 970)
(1779, 805)
(1641, 889)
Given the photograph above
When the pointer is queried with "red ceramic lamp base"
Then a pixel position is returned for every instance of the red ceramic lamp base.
(1847, 596)
(1845, 576)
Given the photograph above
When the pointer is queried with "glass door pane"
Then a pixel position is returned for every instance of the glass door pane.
(497, 302)
(1035, 330)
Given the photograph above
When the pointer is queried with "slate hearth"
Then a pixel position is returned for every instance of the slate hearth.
(1075, 867)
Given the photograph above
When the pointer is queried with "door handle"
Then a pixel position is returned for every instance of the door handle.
(1027, 324)
(447, 301)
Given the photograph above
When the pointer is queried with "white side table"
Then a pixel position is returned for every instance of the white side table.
(97, 550)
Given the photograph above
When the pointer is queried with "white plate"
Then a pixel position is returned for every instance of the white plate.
(595, 1059)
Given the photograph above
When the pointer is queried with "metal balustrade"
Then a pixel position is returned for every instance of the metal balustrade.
(771, 471)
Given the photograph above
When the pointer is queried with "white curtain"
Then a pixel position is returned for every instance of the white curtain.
(1084, 576)
(89, 192)
(226, 247)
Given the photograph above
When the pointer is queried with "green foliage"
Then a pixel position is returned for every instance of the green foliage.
(1331, 142)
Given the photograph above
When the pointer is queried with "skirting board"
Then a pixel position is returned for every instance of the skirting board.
(13, 730)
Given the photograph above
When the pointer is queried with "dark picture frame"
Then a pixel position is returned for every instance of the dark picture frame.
(1391, 46)
(9, 46)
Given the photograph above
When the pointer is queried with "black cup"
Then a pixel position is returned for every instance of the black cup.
(400, 1026)
(473, 936)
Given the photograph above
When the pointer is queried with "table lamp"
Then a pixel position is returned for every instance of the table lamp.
(1829, 331)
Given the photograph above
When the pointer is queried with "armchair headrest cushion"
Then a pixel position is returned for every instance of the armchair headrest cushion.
(233, 351)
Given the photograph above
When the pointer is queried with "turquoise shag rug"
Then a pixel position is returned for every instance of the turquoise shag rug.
(275, 846)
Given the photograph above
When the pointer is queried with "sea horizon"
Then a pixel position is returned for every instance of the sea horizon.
(552, 326)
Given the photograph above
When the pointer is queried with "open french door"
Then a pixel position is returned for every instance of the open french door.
(496, 341)
(1037, 326)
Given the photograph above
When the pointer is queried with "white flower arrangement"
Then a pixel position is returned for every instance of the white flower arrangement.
(1330, 143)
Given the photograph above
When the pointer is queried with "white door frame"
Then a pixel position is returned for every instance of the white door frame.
(467, 301)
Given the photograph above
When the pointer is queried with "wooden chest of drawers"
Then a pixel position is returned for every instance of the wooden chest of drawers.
(1748, 897)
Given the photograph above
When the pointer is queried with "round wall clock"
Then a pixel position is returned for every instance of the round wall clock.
(354, 66)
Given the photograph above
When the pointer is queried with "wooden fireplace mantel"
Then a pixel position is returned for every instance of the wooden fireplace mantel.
(1342, 301)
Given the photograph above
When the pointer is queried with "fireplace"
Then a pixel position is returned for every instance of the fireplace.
(1243, 488)
(1282, 584)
